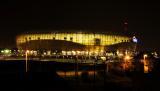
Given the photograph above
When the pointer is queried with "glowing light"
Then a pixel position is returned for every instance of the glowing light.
(73, 53)
(78, 52)
(63, 53)
(6, 51)
(145, 56)
(103, 58)
(86, 39)
(80, 38)
(2, 51)
(27, 51)
(146, 68)
(126, 23)
(45, 53)
(145, 63)
(127, 57)
(135, 39)
(69, 52)
(72, 73)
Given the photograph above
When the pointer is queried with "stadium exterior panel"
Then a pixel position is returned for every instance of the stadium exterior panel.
(79, 42)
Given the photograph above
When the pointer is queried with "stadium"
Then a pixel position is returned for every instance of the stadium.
(74, 43)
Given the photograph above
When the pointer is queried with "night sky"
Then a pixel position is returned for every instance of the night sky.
(143, 18)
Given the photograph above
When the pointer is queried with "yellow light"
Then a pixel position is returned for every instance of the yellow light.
(127, 57)
(103, 58)
(63, 53)
(146, 69)
(78, 52)
(27, 51)
(73, 53)
(86, 39)
(6, 51)
(146, 66)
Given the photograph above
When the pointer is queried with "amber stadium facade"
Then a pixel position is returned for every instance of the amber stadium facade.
(72, 43)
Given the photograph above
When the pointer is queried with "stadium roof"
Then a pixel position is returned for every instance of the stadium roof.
(79, 31)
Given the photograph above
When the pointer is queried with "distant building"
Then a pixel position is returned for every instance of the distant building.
(75, 42)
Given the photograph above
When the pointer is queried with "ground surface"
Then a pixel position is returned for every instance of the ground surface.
(42, 76)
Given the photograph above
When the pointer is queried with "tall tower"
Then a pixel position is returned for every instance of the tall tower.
(125, 24)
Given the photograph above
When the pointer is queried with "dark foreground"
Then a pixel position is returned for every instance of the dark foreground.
(42, 76)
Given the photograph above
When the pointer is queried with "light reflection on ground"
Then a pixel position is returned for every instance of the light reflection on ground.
(74, 73)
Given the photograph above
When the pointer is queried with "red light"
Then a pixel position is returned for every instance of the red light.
(125, 23)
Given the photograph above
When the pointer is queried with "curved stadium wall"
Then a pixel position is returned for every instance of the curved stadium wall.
(79, 41)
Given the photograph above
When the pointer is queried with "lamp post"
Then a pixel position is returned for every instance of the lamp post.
(145, 63)
(26, 53)
(145, 56)
(126, 58)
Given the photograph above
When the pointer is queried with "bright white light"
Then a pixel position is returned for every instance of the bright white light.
(145, 56)
(2, 51)
(45, 53)
(135, 39)
(6, 51)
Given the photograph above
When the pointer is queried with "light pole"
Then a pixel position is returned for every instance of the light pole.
(145, 63)
(135, 40)
(126, 59)
(26, 53)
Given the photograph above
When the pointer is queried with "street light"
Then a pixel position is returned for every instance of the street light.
(26, 53)
(126, 58)
(145, 63)
(145, 56)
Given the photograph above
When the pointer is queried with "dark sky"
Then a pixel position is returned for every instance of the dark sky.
(143, 18)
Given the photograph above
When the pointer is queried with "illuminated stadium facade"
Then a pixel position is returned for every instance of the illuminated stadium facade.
(71, 43)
